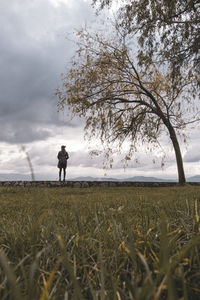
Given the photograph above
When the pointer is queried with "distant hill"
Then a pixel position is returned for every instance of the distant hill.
(27, 177)
(148, 179)
(24, 177)
(195, 178)
(135, 178)
(89, 178)
(14, 177)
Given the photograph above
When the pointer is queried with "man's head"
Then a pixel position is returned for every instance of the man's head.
(63, 147)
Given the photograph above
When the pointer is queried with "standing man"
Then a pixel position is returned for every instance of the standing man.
(62, 162)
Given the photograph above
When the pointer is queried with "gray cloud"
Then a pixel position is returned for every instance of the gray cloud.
(193, 155)
(23, 133)
(33, 53)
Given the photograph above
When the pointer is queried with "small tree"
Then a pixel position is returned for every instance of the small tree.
(119, 100)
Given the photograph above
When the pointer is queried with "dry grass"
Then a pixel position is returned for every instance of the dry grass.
(112, 243)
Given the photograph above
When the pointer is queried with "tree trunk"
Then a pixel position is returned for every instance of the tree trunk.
(177, 150)
(179, 160)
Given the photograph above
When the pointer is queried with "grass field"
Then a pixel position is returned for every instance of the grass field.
(100, 243)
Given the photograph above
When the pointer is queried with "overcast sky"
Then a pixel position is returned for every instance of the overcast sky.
(34, 51)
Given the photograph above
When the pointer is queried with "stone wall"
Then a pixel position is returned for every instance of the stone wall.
(87, 184)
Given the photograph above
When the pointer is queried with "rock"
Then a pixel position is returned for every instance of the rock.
(7, 183)
(85, 184)
(54, 183)
(112, 184)
(103, 184)
(77, 185)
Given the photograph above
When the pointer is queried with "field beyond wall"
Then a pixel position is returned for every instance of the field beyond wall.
(118, 243)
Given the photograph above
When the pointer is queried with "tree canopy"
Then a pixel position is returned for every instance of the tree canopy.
(168, 31)
(119, 99)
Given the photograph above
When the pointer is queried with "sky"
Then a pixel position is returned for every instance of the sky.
(35, 49)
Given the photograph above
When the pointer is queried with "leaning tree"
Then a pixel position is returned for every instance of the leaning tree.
(121, 100)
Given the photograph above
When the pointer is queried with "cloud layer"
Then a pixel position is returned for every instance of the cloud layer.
(34, 52)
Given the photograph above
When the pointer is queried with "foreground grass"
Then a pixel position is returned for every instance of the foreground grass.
(111, 243)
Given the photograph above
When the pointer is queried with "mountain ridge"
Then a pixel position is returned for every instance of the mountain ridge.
(195, 178)
(131, 179)
(27, 177)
